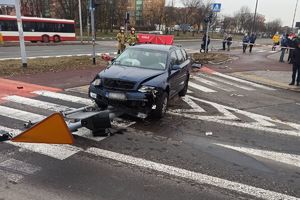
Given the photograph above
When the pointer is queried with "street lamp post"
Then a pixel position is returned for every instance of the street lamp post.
(294, 16)
(80, 20)
(254, 18)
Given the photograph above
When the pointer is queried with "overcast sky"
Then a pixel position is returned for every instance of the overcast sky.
(272, 9)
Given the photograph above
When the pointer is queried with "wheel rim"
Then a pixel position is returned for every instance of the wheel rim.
(164, 106)
(45, 39)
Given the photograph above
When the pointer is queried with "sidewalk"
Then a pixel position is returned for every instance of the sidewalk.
(278, 78)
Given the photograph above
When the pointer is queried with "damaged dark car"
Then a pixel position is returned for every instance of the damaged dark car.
(142, 80)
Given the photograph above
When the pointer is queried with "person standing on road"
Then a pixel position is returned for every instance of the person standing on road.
(245, 42)
(252, 42)
(132, 38)
(229, 42)
(204, 43)
(276, 40)
(296, 64)
(121, 38)
(225, 41)
(292, 45)
(284, 44)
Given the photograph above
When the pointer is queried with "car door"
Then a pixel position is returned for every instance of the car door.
(182, 72)
(173, 74)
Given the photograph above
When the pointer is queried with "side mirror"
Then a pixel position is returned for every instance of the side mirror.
(175, 67)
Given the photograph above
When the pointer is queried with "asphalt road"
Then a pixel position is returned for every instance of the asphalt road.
(227, 139)
(101, 47)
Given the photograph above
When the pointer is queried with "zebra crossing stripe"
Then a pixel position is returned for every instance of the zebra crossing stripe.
(229, 83)
(64, 97)
(36, 103)
(59, 152)
(244, 81)
(201, 88)
(19, 114)
(213, 84)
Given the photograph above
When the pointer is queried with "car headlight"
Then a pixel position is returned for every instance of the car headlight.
(96, 82)
(146, 89)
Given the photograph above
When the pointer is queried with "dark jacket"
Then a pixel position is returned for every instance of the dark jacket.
(296, 56)
(252, 39)
(246, 39)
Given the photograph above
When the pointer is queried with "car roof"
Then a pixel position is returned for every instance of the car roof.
(157, 47)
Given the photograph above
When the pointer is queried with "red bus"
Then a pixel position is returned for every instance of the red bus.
(38, 29)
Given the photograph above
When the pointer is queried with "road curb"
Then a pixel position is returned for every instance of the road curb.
(265, 81)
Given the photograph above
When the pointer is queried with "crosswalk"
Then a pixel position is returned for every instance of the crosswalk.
(29, 109)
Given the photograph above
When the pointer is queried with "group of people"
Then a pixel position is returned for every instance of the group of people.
(289, 43)
(248, 40)
(123, 38)
(227, 40)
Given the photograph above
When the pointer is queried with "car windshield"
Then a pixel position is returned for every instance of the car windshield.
(143, 58)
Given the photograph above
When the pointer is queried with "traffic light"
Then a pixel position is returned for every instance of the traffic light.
(127, 17)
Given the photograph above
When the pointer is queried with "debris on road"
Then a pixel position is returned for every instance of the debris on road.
(204, 58)
(208, 133)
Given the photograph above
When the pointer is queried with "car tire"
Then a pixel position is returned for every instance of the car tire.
(101, 104)
(45, 39)
(56, 39)
(183, 92)
(161, 106)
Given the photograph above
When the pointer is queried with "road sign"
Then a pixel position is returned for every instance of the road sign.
(298, 24)
(216, 7)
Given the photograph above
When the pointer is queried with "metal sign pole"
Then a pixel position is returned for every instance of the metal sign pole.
(93, 34)
(80, 20)
(21, 35)
(206, 41)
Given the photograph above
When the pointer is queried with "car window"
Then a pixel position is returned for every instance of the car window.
(143, 58)
(173, 58)
(179, 56)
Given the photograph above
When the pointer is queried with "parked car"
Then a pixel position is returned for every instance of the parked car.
(143, 79)
(156, 32)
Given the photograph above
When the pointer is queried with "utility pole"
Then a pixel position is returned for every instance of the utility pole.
(80, 20)
(93, 30)
(21, 34)
(254, 18)
(294, 16)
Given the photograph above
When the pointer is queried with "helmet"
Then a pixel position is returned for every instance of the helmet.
(122, 28)
(132, 29)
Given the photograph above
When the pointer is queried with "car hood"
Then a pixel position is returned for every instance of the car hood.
(129, 73)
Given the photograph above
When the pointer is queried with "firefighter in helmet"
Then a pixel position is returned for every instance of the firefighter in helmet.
(132, 38)
(121, 38)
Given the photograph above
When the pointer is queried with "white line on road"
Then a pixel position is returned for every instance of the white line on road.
(191, 175)
(195, 107)
(60, 152)
(213, 84)
(201, 88)
(19, 114)
(64, 97)
(228, 82)
(244, 81)
(290, 159)
(36, 103)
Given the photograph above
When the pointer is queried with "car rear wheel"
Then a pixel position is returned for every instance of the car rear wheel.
(45, 38)
(56, 39)
(161, 106)
(183, 92)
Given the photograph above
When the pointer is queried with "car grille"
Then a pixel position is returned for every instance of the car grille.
(117, 84)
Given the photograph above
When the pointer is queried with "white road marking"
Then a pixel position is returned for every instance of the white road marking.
(290, 159)
(19, 166)
(191, 175)
(228, 82)
(201, 88)
(190, 92)
(64, 97)
(195, 107)
(261, 51)
(59, 152)
(244, 81)
(261, 122)
(37, 103)
(19, 114)
(213, 84)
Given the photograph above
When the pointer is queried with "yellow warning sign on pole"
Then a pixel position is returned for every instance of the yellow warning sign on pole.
(52, 130)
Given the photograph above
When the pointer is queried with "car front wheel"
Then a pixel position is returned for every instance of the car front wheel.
(161, 105)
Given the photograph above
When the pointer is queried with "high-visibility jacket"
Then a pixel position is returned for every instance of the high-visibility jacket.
(276, 38)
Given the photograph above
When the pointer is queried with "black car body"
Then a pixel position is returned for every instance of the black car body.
(142, 79)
